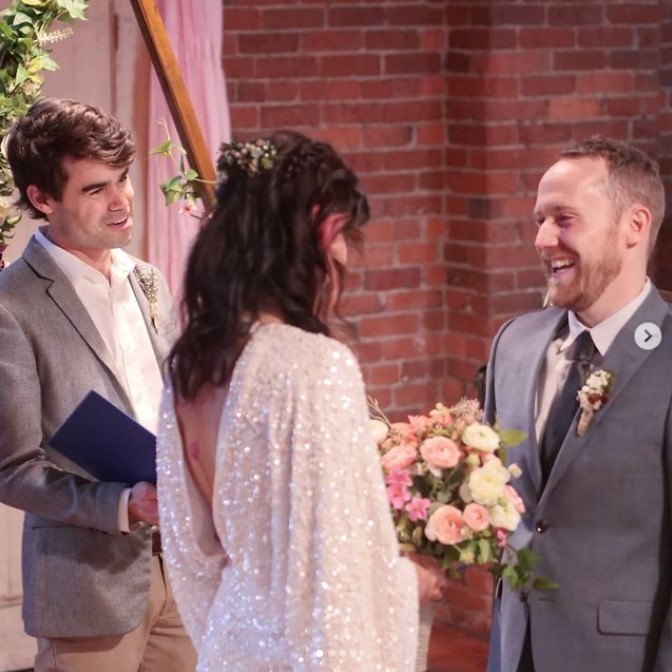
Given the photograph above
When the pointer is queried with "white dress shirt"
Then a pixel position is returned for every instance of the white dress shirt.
(556, 366)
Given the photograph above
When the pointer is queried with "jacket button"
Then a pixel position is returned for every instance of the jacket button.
(541, 526)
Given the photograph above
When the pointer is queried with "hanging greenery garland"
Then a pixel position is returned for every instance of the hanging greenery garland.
(25, 39)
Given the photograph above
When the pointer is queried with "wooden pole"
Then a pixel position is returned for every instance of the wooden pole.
(168, 71)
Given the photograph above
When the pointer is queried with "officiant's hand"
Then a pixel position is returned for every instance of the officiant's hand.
(431, 578)
(143, 504)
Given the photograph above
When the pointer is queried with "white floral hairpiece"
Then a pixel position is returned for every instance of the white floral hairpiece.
(250, 157)
(592, 396)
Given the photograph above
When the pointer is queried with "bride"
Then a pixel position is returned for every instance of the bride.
(274, 518)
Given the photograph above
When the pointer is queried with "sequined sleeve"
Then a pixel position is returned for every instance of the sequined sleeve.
(188, 537)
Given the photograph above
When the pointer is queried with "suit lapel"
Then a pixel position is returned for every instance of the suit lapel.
(623, 359)
(64, 296)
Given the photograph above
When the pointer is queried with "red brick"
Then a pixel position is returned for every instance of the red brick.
(289, 18)
(384, 374)
(548, 85)
(387, 136)
(239, 68)
(327, 90)
(423, 368)
(491, 38)
(404, 64)
(634, 58)
(434, 39)
(513, 62)
(431, 133)
(268, 44)
(541, 37)
(361, 304)
(634, 12)
(356, 16)
(388, 87)
(241, 18)
(392, 40)
(244, 117)
(507, 13)
(594, 37)
(331, 40)
(419, 299)
(390, 183)
(432, 85)
(401, 278)
(414, 14)
(488, 86)
(389, 325)
(412, 205)
(279, 116)
(579, 60)
(353, 112)
(605, 81)
(420, 110)
(292, 68)
(575, 14)
(349, 65)
(412, 159)
(564, 109)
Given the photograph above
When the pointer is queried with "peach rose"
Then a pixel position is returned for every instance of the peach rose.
(399, 457)
(476, 517)
(514, 498)
(445, 525)
(440, 452)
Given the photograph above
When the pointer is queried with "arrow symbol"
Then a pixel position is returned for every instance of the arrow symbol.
(649, 335)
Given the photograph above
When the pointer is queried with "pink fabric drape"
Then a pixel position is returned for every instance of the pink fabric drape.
(195, 29)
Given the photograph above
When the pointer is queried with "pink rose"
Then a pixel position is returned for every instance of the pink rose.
(476, 517)
(419, 423)
(399, 457)
(515, 499)
(440, 452)
(403, 431)
(445, 525)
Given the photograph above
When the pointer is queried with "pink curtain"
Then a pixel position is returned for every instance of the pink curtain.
(195, 29)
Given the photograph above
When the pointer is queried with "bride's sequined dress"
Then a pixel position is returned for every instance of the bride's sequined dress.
(313, 578)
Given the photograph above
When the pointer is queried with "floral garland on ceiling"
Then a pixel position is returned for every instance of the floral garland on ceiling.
(24, 54)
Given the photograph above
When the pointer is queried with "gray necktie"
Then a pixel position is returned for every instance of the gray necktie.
(566, 403)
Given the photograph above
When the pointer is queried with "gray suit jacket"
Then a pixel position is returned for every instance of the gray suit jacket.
(81, 576)
(602, 525)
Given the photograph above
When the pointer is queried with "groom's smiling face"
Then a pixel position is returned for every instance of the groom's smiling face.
(579, 237)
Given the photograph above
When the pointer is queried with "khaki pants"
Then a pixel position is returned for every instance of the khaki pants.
(159, 643)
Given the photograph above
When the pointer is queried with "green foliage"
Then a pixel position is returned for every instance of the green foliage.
(181, 188)
(24, 54)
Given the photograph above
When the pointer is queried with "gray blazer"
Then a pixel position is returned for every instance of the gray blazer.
(602, 525)
(81, 576)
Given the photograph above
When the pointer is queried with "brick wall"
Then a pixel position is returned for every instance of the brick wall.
(450, 110)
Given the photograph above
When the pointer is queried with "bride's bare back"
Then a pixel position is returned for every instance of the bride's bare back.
(199, 426)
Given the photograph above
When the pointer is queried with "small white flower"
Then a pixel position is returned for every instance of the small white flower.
(481, 437)
(515, 471)
(379, 430)
(504, 516)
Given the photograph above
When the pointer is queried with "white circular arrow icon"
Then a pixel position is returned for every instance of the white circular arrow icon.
(648, 336)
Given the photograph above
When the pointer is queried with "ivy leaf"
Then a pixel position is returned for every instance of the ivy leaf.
(74, 8)
(21, 18)
(163, 149)
(512, 437)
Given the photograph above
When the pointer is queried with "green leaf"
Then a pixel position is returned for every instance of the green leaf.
(21, 18)
(542, 583)
(485, 553)
(75, 9)
(512, 437)
(163, 149)
(34, 3)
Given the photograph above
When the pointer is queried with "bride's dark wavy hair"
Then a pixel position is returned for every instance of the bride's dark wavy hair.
(263, 247)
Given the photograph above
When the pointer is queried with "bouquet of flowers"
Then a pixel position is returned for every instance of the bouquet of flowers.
(450, 492)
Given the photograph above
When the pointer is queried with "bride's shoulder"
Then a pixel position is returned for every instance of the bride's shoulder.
(283, 348)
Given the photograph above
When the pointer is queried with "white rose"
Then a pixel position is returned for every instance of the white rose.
(481, 437)
(486, 486)
(504, 516)
(495, 467)
(379, 430)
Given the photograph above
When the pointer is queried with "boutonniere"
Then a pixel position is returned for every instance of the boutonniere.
(150, 287)
(592, 396)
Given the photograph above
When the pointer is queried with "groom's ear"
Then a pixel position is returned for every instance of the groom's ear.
(40, 200)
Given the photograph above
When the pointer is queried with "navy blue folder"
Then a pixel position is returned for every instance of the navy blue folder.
(107, 443)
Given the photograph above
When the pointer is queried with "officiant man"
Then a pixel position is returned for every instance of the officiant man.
(75, 316)
(597, 475)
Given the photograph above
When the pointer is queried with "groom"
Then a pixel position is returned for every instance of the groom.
(599, 501)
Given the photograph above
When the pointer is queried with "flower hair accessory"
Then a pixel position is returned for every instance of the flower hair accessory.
(592, 396)
(250, 157)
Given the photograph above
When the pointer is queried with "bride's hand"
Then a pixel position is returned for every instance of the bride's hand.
(431, 579)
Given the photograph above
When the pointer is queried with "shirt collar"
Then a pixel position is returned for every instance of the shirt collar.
(605, 332)
(76, 270)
